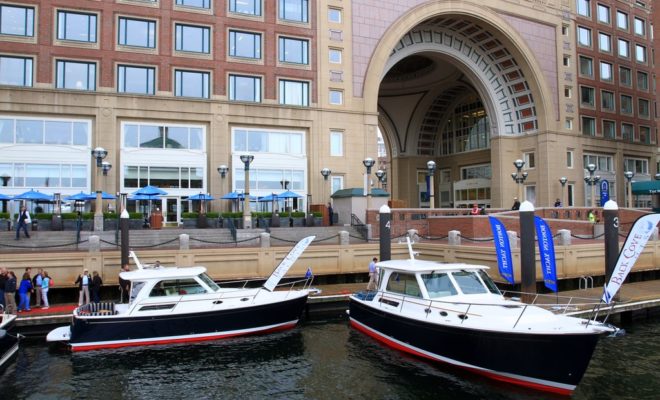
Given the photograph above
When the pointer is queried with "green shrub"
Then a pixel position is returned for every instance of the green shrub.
(317, 214)
(189, 215)
(135, 215)
(69, 216)
(232, 214)
(213, 214)
(4, 215)
(43, 216)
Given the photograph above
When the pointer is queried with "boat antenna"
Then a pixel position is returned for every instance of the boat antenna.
(410, 249)
(135, 260)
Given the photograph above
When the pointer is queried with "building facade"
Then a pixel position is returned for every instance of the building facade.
(172, 89)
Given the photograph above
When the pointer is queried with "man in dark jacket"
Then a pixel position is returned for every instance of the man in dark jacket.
(95, 287)
(3, 281)
(10, 292)
(21, 223)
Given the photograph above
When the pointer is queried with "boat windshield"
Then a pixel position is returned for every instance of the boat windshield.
(209, 282)
(438, 285)
(489, 282)
(469, 282)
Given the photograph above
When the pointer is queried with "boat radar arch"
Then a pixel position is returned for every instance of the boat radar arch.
(135, 260)
(410, 249)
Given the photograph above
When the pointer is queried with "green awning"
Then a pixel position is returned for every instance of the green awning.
(646, 187)
(358, 192)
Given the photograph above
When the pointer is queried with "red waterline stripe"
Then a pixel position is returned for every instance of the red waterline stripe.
(397, 346)
(75, 348)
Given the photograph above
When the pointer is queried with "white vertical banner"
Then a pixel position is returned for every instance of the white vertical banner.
(639, 234)
(287, 262)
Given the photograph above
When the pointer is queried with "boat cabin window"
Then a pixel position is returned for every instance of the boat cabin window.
(176, 287)
(489, 282)
(135, 289)
(405, 284)
(209, 282)
(438, 284)
(469, 282)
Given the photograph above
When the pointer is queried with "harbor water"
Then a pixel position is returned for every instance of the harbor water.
(320, 359)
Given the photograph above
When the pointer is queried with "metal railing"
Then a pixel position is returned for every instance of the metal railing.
(232, 228)
(360, 227)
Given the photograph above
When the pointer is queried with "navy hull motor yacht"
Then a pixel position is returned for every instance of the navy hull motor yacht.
(455, 314)
(183, 304)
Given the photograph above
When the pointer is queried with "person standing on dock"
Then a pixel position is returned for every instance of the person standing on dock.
(45, 285)
(22, 223)
(95, 287)
(373, 274)
(10, 293)
(83, 283)
(37, 280)
(3, 282)
(23, 291)
(124, 286)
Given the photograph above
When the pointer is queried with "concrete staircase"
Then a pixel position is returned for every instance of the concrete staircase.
(169, 238)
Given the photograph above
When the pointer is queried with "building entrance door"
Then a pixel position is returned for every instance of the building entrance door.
(171, 214)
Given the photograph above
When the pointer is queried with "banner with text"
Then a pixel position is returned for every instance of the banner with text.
(547, 253)
(503, 250)
(639, 234)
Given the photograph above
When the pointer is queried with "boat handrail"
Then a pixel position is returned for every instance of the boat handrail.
(451, 305)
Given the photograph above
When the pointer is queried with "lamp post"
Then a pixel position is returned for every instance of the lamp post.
(222, 170)
(99, 153)
(592, 180)
(629, 175)
(368, 163)
(325, 172)
(5, 181)
(247, 216)
(563, 181)
(430, 166)
(519, 176)
(380, 174)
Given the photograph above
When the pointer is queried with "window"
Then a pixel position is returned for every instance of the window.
(603, 14)
(584, 8)
(294, 93)
(625, 76)
(191, 84)
(16, 20)
(645, 134)
(586, 66)
(569, 158)
(336, 97)
(247, 7)
(293, 51)
(568, 124)
(603, 163)
(49, 176)
(568, 92)
(606, 73)
(405, 284)
(604, 42)
(642, 80)
(640, 53)
(137, 32)
(244, 44)
(334, 56)
(584, 36)
(15, 71)
(639, 166)
(195, 39)
(176, 287)
(76, 26)
(588, 126)
(269, 141)
(622, 20)
(643, 108)
(138, 80)
(624, 48)
(567, 61)
(293, 10)
(609, 129)
(529, 159)
(640, 27)
(336, 143)
(483, 171)
(44, 131)
(334, 15)
(245, 88)
(195, 3)
(607, 101)
(75, 75)
(163, 137)
(336, 183)
(439, 285)
(587, 96)
(627, 132)
(626, 104)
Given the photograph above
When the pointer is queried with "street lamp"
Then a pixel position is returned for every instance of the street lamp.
(222, 170)
(246, 159)
(5, 181)
(430, 166)
(592, 180)
(629, 175)
(380, 174)
(368, 163)
(326, 173)
(106, 167)
(99, 153)
(519, 176)
(563, 181)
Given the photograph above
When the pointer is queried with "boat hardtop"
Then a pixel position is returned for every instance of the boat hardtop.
(150, 272)
(420, 266)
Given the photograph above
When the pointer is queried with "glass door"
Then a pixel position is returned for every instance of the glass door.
(171, 214)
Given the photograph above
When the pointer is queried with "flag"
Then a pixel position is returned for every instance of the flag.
(503, 250)
(639, 234)
(309, 273)
(547, 253)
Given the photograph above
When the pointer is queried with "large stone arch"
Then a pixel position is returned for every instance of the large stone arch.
(484, 37)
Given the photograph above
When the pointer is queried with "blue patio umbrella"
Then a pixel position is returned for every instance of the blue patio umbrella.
(33, 195)
(4, 197)
(141, 197)
(104, 196)
(289, 195)
(150, 191)
(82, 196)
(201, 196)
(268, 197)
